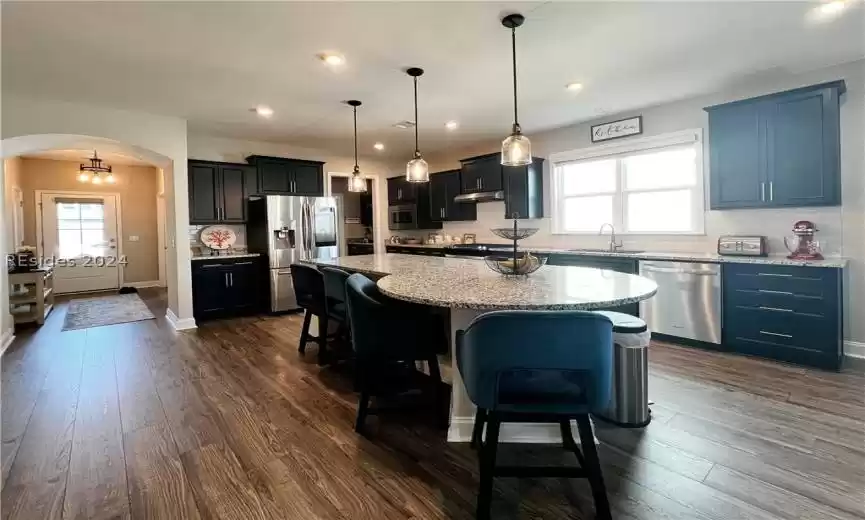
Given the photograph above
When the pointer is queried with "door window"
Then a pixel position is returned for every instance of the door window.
(80, 229)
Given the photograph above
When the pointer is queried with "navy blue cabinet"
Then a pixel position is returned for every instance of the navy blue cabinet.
(622, 265)
(782, 312)
(780, 150)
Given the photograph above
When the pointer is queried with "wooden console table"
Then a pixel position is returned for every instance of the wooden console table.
(31, 295)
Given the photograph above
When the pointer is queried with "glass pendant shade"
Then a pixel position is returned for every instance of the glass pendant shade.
(417, 170)
(109, 178)
(96, 180)
(83, 177)
(356, 183)
(516, 150)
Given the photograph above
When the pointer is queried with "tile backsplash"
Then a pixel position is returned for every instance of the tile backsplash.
(200, 249)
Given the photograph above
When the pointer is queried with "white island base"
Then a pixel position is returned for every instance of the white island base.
(462, 418)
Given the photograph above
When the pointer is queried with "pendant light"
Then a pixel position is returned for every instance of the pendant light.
(356, 183)
(91, 172)
(516, 149)
(417, 170)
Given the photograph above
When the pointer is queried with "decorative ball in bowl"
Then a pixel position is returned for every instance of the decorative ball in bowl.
(523, 265)
(514, 233)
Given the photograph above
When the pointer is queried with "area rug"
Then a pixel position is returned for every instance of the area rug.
(105, 310)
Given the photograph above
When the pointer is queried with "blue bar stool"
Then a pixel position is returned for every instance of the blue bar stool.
(537, 366)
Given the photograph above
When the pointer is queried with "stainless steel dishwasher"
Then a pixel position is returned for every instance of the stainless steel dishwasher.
(688, 302)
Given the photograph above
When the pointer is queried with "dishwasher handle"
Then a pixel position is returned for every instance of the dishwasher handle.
(673, 270)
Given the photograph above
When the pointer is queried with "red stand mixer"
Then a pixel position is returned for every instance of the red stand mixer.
(802, 245)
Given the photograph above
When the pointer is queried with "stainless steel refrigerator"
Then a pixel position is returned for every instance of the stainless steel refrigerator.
(292, 229)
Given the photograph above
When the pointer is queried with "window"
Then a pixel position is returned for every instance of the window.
(80, 229)
(646, 186)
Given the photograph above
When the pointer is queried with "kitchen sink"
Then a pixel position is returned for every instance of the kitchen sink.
(590, 250)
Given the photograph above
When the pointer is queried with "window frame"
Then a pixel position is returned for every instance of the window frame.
(616, 150)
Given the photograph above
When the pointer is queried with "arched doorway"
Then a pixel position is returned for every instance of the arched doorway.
(172, 265)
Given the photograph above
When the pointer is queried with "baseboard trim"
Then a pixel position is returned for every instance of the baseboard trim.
(525, 433)
(141, 285)
(179, 324)
(854, 349)
(6, 340)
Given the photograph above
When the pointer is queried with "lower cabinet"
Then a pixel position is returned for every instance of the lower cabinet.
(783, 312)
(622, 265)
(420, 251)
(226, 287)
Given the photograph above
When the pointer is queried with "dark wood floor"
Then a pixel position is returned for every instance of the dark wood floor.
(135, 420)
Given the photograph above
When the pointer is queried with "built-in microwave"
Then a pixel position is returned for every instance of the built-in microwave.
(403, 216)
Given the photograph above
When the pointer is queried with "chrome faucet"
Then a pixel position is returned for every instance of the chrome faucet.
(613, 245)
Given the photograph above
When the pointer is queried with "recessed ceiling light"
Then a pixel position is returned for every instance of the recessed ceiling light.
(452, 125)
(574, 87)
(332, 59)
(378, 146)
(829, 10)
(263, 111)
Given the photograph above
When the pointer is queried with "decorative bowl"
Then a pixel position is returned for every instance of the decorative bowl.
(514, 234)
(524, 265)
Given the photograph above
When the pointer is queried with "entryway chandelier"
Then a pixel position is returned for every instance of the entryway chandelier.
(93, 172)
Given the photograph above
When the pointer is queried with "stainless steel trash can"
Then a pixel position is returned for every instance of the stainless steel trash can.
(629, 400)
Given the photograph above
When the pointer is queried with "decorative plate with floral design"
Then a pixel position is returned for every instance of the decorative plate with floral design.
(217, 237)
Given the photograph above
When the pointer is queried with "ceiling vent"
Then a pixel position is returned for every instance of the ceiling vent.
(404, 125)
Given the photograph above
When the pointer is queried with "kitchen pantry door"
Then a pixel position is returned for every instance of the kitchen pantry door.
(79, 234)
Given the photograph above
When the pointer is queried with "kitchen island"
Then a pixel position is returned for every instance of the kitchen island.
(469, 288)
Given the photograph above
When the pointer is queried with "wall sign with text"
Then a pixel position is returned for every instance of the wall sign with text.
(617, 129)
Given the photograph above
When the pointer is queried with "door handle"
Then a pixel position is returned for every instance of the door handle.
(779, 275)
(776, 334)
(777, 309)
(787, 293)
(762, 191)
(771, 190)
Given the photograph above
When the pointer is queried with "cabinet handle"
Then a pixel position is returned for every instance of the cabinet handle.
(775, 334)
(775, 309)
(211, 265)
(762, 191)
(231, 279)
(243, 263)
(779, 275)
(771, 190)
(226, 279)
(767, 291)
(482, 182)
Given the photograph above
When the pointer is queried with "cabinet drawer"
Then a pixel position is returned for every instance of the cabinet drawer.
(799, 339)
(801, 281)
(781, 301)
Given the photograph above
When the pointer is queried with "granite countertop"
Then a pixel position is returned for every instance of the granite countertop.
(470, 284)
(832, 261)
(220, 257)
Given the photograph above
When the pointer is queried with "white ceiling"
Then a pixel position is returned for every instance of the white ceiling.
(209, 62)
(83, 157)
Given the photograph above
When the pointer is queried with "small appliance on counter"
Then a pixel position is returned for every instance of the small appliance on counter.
(802, 245)
(742, 245)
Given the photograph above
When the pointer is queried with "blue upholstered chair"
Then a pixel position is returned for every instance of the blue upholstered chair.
(334, 298)
(388, 336)
(309, 292)
(537, 366)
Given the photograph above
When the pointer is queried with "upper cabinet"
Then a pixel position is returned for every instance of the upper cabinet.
(218, 192)
(401, 191)
(443, 187)
(280, 176)
(482, 173)
(524, 190)
(780, 150)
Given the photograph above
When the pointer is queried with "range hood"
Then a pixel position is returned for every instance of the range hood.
(484, 196)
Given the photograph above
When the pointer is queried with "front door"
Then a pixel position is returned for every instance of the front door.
(79, 234)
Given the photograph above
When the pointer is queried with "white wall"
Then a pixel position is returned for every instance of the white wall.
(842, 229)
(161, 140)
